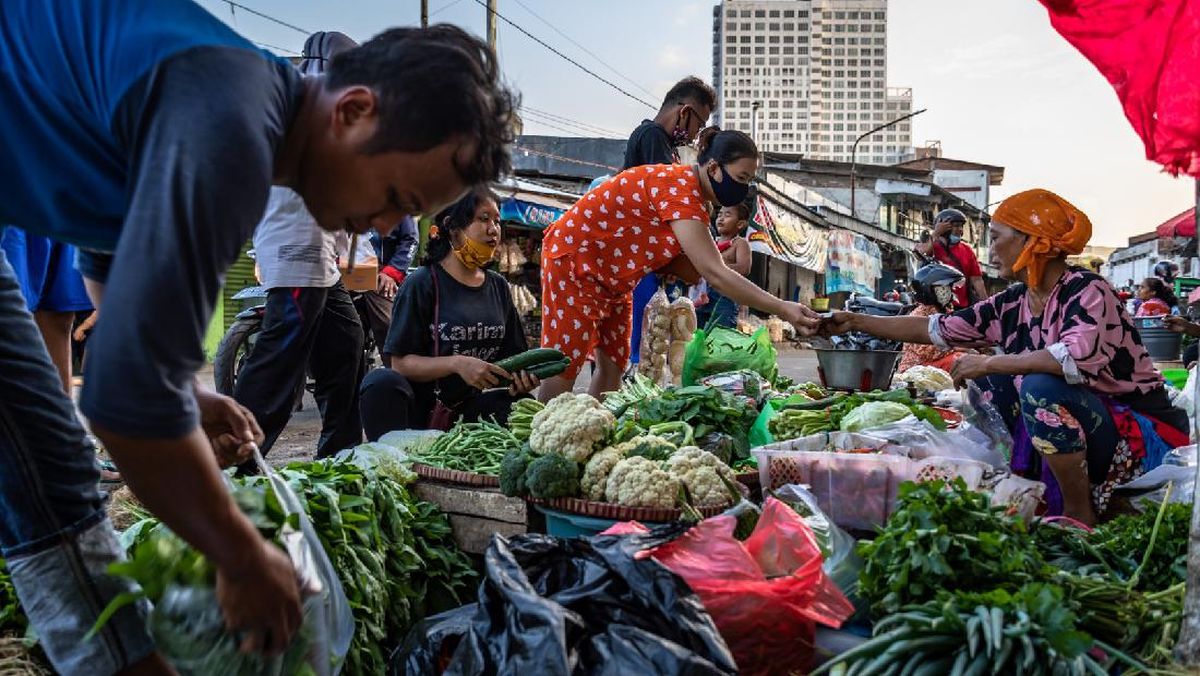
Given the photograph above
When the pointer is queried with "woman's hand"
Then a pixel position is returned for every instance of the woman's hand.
(1181, 325)
(969, 367)
(837, 323)
(806, 321)
(523, 382)
(480, 374)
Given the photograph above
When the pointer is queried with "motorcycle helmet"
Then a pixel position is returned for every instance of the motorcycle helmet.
(952, 215)
(1166, 271)
(934, 285)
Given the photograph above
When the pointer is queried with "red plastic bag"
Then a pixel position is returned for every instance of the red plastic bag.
(765, 595)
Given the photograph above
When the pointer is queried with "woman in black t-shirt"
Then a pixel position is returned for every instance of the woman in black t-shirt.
(451, 319)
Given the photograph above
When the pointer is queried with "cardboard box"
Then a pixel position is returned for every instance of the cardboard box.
(361, 278)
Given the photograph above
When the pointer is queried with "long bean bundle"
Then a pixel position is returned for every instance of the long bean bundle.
(470, 447)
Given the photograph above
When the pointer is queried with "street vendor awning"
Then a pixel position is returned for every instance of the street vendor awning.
(531, 204)
(1183, 225)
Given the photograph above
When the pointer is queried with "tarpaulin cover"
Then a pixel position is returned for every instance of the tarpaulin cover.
(1150, 52)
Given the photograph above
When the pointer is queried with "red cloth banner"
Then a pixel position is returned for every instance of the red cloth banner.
(1149, 50)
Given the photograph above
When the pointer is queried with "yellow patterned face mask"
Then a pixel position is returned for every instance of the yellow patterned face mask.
(474, 254)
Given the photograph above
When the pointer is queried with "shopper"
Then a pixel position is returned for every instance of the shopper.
(947, 247)
(1070, 353)
(451, 319)
(1156, 299)
(310, 324)
(395, 253)
(685, 109)
(148, 133)
(53, 291)
(735, 253)
(641, 220)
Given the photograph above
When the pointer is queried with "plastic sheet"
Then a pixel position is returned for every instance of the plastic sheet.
(979, 412)
(572, 606)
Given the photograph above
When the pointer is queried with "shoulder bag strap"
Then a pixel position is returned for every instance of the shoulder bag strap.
(437, 342)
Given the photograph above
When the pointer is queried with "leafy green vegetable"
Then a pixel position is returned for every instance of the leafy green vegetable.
(873, 414)
(552, 476)
(944, 536)
(706, 409)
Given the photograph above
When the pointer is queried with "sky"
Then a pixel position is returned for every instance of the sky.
(1001, 86)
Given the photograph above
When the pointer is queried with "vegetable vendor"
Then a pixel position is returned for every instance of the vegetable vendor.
(148, 133)
(451, 319)
(640, 220)
(1074, 377)
(934, 287)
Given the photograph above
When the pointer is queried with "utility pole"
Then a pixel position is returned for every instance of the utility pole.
(424, 13)
(491, 24)
(754, 106)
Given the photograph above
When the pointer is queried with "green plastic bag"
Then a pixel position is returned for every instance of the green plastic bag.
(720, 350)
(760, 433)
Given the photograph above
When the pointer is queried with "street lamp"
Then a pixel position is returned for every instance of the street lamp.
(854, 154)
(754, 106)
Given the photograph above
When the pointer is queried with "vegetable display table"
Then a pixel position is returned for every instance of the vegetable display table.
(476, 513)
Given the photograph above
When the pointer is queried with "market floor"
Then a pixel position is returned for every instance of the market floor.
(299, 439)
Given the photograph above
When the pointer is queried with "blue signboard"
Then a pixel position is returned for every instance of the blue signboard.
(528, 213)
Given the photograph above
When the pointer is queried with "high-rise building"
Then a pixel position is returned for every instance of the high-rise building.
(809, 77)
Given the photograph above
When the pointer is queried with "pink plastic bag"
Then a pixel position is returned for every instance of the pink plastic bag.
(766, 594)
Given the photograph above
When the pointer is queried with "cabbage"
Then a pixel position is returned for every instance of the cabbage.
(874, 414)
(927, 378)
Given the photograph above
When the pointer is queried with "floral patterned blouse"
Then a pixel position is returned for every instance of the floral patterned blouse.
(1084, 325)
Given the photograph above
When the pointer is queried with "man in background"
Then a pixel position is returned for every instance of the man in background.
(684, 111)
(948, 247)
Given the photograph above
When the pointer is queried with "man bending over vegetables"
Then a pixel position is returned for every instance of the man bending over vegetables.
(148, 134)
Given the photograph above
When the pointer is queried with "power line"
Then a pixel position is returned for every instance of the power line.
(552, 156)
(277, 48)
(589, 128)
(573, 62)
(268, 17)
(552, 125)
(585, 50)
(444, 8)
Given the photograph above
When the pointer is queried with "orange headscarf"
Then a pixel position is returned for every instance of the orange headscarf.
(1054, 225)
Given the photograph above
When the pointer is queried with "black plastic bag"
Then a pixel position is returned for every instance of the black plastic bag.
(572, 606)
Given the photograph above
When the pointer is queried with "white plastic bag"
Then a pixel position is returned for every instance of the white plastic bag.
(656, 339)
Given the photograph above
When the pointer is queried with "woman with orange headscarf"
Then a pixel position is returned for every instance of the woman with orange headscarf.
(1074, 375)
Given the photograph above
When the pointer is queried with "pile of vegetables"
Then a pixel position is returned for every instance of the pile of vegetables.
(576, 449)
(520, 417)
(926, 379)
(957, 585)
(849, 413)
(469, 447)
(394, 557)
(720, 421)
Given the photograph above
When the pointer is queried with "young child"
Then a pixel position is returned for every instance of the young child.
(735, 249)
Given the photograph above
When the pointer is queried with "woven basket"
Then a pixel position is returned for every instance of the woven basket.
(455, 476)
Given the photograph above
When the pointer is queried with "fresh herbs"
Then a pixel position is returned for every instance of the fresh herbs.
(944, 536)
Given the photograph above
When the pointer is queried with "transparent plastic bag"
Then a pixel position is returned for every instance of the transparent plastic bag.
(326, 609)
(979, 412)
(656, 338)
(925, 441)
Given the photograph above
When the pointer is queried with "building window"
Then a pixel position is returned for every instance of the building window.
(758, 26)
(760, 14)
(839, 15)
(745, 39)
(880, 16)
(789, 13)
(745, 14)
(759, 50)
(730, 50)
(789, 26)
(773, 39)
(731, 39)
(760, 39)
(773, 27)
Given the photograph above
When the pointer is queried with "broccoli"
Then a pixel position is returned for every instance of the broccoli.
(512, 473)
(552, 476)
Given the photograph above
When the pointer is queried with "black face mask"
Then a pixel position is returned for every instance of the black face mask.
(729, 192)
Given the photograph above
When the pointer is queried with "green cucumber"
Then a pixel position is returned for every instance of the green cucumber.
(549, 369)
(530, 358)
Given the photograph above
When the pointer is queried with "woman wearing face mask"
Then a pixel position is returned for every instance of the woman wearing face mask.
(451, 319)
(1075, 381)
(642, 220)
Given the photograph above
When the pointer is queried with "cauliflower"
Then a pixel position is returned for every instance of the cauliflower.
(571, 425)
(650, 446)
(639, 482)
(595, 473)
(702, 473)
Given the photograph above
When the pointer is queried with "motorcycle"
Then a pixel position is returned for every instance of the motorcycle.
(242, 335)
